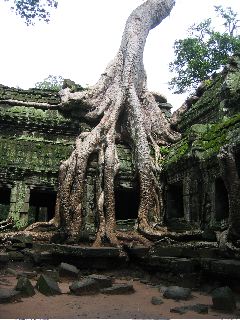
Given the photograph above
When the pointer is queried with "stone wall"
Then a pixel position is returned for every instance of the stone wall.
(191, 166)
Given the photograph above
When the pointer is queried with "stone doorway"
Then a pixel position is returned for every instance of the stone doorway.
(175, 208)
(5, 194)
(126, 204)
(221, 200)
(41, 205)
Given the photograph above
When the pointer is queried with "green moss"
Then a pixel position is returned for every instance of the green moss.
(175, 152)
(19, 204)
(34, 95)
(34, 154)
(204, 141)
(164, 150)
(206, 106)
(51, 117)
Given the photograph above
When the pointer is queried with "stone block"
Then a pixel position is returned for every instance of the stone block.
(223, 299)
(102, 281)
(47, 286)
(25, 287)
(43, 257)
(119, 289)
(156, 301)
(177, 293)
(9, 295)
(53, 274)
(68, 270)
(198, 308)
(84, 287)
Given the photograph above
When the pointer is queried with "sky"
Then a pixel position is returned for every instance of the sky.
(83, 36)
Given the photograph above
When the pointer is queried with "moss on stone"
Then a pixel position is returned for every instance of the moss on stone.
(204, 141)
(206, 108)
(50, 117)
(33, 154)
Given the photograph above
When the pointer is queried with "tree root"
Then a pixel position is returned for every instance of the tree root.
(6, 224)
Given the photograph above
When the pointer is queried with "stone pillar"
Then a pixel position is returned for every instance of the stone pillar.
(90, 210)
(19, 203)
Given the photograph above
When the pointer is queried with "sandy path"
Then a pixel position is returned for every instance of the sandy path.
(134, 306)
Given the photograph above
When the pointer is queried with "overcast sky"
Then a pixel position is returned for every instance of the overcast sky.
(84, 35)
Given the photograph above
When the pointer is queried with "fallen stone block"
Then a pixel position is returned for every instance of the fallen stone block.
(156, 301)
(162, 289)
(223, 299)
(177, 293)
(9, 295)
(180, 310)
(25, 287)
(84, 287)
(53, 274)
(119, 289)
(102, 281)
(47, 286)
(198, 308)
(68, 270)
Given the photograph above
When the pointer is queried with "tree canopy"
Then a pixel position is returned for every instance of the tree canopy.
(32, 10)
(204, 51)
(51, 83)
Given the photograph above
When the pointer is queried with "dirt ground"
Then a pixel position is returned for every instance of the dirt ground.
(133, 306)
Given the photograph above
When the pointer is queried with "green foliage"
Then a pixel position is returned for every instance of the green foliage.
(30, 10)
(204, 51)
(51, 82)
(164, 150)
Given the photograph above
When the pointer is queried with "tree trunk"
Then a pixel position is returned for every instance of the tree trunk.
(121, 90)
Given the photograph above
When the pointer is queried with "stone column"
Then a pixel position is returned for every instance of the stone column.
(19, 203)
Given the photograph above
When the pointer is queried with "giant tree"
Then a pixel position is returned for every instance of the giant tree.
(123, 109)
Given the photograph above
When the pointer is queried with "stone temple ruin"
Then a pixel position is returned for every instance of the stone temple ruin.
(34, 140)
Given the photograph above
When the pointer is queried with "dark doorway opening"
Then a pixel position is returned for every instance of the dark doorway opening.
(126, 204)
(41, 205)
(237, 161)
(221, 200)
(5, 194)
(175, 208)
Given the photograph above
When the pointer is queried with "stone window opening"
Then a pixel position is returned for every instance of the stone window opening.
(221, 200)
(175, 208)
(41, 205)
(126, 203)
(5, 194)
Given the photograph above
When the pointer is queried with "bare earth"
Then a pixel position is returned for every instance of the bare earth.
(133, 306)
